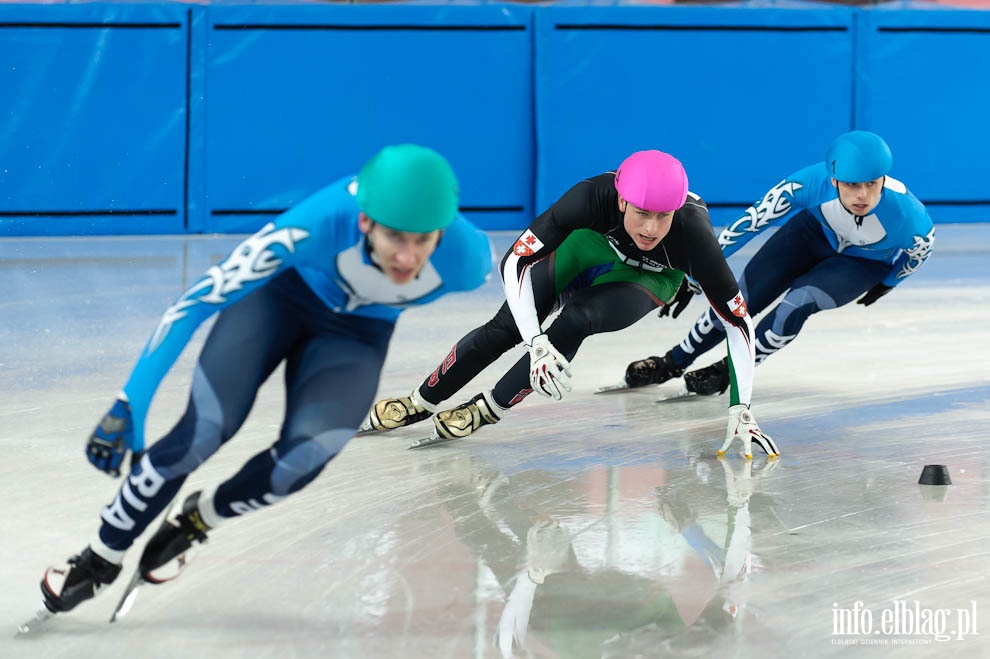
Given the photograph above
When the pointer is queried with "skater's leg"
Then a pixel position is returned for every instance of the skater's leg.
(832, 283)
(608, 307)
(330, 382)
(248, 340)
(245, 344)
(794, 249)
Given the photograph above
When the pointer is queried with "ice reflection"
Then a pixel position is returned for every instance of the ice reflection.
(559, 597)
(732, 563)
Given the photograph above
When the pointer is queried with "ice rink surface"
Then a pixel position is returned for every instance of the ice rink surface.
(599, 526)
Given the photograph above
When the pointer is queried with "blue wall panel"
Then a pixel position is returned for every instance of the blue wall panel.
(299, 96)
(164, 118)
(742, 96)
(923, 82)
(93, 103)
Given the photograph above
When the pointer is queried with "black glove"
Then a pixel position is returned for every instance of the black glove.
(682, 298)
(874, 294)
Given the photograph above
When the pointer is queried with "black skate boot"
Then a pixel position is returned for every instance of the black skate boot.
(66, 587)
(652, 370)
(392, 413)
(465, 419)
(710, 380)
(164, 556)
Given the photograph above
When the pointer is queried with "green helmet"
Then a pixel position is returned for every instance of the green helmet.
(408, 188)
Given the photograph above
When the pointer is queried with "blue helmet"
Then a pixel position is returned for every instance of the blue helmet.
(858, 156)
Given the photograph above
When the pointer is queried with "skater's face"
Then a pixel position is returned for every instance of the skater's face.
(646, 228)
(860, 198)
(400, 254)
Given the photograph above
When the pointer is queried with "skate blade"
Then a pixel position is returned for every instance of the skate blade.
(125, 605)
(127, 599)
(617, 388)
(136, 580)
(432, 440)
(42, 616)
(365, 428)
(682, 394)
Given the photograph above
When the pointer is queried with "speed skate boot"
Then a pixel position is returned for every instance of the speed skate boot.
(652, 370)
(464, 419)
(166, 554)
(67, 586)
(710, 380)
(392, 413)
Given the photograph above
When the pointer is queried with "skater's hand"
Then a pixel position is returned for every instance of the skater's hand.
(874, 294)
(549, 371)
(689, 288)
(743, 425)
(109, 443)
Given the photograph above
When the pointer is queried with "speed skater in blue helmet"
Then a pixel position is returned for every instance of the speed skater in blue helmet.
(857, 162)
(858, 156)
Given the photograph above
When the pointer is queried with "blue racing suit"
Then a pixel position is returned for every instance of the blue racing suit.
(303, 291)
(823, 256)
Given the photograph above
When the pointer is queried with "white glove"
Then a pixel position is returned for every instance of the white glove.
(549, 371)
(743, 425)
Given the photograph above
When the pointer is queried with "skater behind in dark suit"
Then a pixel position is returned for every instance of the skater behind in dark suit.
(613, 248)
(319, 289)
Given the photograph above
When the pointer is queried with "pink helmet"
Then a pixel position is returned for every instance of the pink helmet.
(652, 180)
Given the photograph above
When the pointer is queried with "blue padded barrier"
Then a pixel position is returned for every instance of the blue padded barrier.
(301, 95)
(171, 117)
(923, 82)
(93, 100)
(742, 96)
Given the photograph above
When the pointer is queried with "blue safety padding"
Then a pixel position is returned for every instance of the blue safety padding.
(168, 117)
(301, 95)
(923, 82)
(94, 118)
(742, 96)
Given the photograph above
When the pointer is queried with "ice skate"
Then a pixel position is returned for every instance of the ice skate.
(710, 380)
(465, 419)
(391, 413)
(461, 421)
(165, 555)
(81, 579)
(652, 370)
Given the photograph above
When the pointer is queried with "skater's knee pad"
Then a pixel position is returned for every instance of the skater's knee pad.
(179, 454)
(298, 462)
(798, 304)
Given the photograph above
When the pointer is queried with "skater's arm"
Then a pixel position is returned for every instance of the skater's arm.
(572, 211)
(912, 257)
(697, 253)
(774, 208)
(250, 265)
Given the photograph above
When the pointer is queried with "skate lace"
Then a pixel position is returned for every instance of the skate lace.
(92, 570)
(649, 364)
(194, 526)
